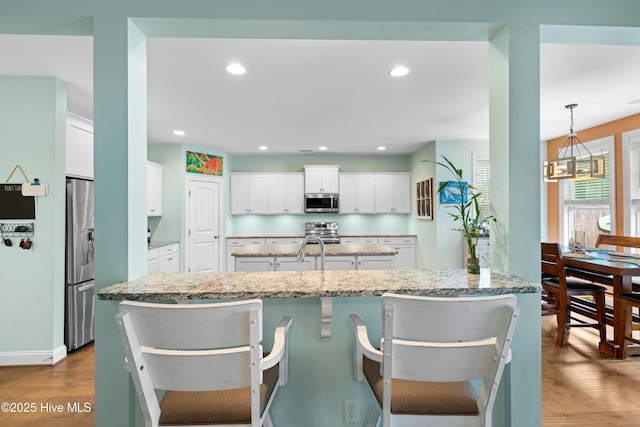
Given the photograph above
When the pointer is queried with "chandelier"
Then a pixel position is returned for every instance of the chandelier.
(574, 161)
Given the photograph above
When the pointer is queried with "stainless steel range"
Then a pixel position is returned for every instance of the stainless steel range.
(326, 231)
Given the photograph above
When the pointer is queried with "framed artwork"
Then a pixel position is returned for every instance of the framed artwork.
(424, 197)
(451, 194)
(205, 164)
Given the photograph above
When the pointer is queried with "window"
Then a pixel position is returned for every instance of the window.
(481, 180)
(587, 205)
(631, 185)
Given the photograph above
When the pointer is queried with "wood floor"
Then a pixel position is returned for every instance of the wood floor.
(580, 386)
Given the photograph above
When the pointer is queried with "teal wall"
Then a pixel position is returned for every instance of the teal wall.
(32, 135)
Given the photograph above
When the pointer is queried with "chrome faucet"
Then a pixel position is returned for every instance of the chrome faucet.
(303, 246)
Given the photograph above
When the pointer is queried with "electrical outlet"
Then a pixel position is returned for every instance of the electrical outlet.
(351, 411)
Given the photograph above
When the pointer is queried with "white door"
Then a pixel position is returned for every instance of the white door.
(203, 226)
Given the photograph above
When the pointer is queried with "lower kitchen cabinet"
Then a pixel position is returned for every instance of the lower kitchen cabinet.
(292, 264)
(164, 259)
(406, 247)
(255, 264)
(376, 262)
(340, 263)
(237, 244)
(152, 260)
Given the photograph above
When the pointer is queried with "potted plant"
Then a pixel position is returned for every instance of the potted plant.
(466, 212)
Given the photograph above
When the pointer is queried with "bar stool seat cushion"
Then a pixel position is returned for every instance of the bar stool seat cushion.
(215, 407)
(423, 398)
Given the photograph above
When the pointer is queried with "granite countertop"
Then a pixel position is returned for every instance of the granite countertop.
(313, 284)
(291, 250)
(159, 244)
(301, 235)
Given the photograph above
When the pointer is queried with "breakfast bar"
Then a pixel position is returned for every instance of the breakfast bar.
(321, 375)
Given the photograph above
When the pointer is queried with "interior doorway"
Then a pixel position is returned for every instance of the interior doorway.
(203, 224)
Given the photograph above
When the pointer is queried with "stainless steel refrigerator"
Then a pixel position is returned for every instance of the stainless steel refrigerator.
(79, 301)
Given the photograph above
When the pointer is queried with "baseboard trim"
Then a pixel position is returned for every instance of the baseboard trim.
(33, 357)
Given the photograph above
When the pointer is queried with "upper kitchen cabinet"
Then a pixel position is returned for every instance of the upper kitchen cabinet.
(248, 194)
(154, 188)
(79, 152)
(393, 193)
(357, 193)
(321, 179)
(285, 193)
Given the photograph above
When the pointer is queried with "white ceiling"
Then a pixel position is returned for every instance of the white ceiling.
(300, 94)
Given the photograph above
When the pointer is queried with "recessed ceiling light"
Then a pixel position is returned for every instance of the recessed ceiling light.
(322, 148)
(263, 148)
(399, 71)
(178, 132)
(382, 148)
(236, 69)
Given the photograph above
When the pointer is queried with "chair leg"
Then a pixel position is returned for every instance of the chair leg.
(602, 315)
(374, 416)
(563, 315)
(267, 421)
(628, 331)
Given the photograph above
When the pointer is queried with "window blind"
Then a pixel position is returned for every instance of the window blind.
(481, 180)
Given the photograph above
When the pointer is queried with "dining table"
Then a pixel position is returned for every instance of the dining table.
(614, 269)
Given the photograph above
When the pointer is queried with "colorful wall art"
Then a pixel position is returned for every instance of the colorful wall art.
(205, 164)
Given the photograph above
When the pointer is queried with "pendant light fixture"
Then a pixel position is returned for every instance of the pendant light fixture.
(574, 161)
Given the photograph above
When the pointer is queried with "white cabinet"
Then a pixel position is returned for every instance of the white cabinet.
(285, 193)
(248, 194)
(169, 258)
(154, 188)
(284, 240)
(393, 193)
(340, 263)
(376, 262)
(237, 244)
(79, 150)
(164, 259)
(406, 247)
(321, 179)
(358, 240)
(292, 264)
(152, 260)
(255, 264)
(357, 193)
(482, 252)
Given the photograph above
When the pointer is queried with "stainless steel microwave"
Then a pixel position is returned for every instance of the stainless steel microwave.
(321, 202)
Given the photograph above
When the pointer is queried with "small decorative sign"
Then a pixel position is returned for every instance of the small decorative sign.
(13, 205)
(452, 194)
(424, 197)
(205, 164)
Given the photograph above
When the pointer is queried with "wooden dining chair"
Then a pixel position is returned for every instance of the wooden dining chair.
(433, 348)
(207, 359)
(558, 290)
(615, 242)
(627, 300)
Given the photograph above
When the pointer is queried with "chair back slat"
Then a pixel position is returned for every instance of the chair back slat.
(171, 327)
(551, 261)
(198, 370)
(615, 241)
(427, 319)
(437, 363)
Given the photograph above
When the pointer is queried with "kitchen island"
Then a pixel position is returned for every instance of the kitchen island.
(321, 372)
